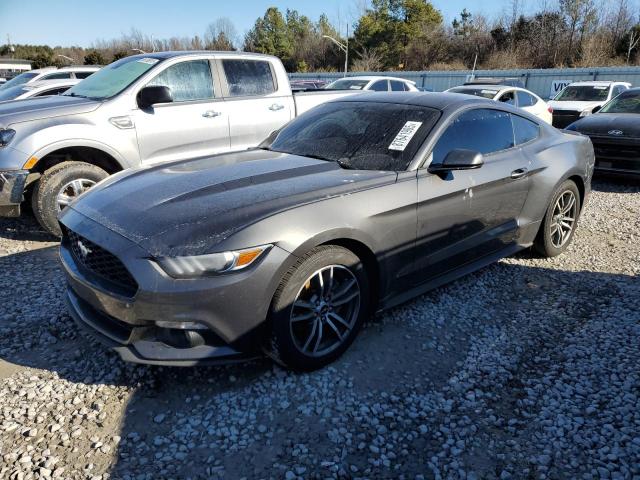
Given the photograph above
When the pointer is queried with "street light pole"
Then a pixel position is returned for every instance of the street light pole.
(137, 50)
(343, 47)
(65, 57)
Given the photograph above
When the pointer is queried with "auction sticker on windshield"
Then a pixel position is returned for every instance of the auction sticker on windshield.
(148, 61)
(404, 136)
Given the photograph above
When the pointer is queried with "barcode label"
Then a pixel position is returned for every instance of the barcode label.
(404, 136)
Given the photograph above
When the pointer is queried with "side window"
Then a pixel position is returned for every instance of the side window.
(57, 76)
(53, 91)
(380, 86)
(248, 77)
(508, 97)
(525, 99)
(482, 130)
(187, 80)
(83, 74)
(397, 86)
(524, 130)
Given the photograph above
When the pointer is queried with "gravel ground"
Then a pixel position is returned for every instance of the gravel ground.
(527, 369)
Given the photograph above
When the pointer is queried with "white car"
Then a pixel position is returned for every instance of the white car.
(515, 96)
(374, 83)
(36, 89)
(579, 99)
(50, 73)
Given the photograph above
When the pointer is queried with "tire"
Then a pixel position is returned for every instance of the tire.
(44, 199)
(551, 242)
(289, 334)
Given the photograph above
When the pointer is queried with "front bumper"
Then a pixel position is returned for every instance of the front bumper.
(12, 183)
(229, 310)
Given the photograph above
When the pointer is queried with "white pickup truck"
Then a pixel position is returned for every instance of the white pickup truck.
(139, 110)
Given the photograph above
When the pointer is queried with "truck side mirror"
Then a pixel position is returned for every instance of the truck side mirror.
(596, 108)
(149, 96)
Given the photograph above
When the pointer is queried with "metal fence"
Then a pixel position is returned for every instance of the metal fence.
(541, 81)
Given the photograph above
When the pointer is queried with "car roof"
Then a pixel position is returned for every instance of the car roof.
(51, 83)
(494, 88)
(439, 101)
(604, 83)
(373, 77)
(188, 53)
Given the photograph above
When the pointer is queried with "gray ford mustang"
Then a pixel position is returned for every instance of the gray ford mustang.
(354, 207)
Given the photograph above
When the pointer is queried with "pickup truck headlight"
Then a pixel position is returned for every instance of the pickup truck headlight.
(5, 136)
(214, 263)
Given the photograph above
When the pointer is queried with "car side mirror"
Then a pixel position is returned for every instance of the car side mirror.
(149, 96)
(596, 108)
(458, 159)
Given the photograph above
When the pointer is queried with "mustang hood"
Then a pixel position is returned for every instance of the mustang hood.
(628, 124)
(186, 208)
(43, 107)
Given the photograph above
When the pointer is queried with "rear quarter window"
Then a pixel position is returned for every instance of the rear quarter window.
(524, 130)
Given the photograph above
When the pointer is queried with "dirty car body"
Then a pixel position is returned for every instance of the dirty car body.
(414, 225)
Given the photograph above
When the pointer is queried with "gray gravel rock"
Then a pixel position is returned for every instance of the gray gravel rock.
(527, 369)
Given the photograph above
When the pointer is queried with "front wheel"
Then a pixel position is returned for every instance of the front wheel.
(560, 221)
(318, 308)
(58, 187)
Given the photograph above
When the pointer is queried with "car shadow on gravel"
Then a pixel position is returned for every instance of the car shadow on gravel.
(411, 370)
(616, 183)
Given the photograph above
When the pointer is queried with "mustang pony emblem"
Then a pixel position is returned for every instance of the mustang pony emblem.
(84, 251)
(615, 132)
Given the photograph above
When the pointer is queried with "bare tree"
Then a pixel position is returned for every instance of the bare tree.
(221, 35)
(634, 38)
(367, 61)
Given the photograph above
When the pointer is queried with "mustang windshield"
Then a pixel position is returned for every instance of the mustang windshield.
(583, 93)
(113, 78)
(626, 102)
(358, 135)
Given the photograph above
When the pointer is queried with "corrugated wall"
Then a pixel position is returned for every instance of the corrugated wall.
(537, 80)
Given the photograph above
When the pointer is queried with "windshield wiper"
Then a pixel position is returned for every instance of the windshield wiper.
(345, 165)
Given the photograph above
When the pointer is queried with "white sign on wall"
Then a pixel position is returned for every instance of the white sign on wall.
(557, 86)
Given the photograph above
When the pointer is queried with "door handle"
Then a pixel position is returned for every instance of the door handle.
(211, 114)
(275, 107)
(519, 173)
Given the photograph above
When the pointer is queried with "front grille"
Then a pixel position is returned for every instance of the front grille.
(616, 154)
(100, 262)
(564, 118)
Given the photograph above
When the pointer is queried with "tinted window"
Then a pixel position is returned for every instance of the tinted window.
(57, 76)
(346, 84)
(524, 130)
(379, 86)
(19, 80)
(360, 135)
(478, 92)
(397, 86)
(83, 74)
(187, 80)
(52, 91)
(481, 130)
(627, 102)
(248, 77)
(525, 99)
(508, 97)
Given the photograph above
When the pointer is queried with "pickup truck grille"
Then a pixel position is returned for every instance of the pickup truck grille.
(564, 118)
(100, 262)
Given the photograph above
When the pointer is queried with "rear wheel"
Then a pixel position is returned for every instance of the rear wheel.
(559, 223)
(318, 308)
(58, 187)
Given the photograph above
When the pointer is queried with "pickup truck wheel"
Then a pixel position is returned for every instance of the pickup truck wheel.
(58, 187)
(318, 309)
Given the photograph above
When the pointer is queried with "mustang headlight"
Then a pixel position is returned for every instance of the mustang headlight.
(211, 264)
(5, 136)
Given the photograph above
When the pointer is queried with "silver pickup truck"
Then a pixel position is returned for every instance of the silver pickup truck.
(140, 110)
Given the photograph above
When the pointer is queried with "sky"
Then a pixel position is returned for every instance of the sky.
(81, 22)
